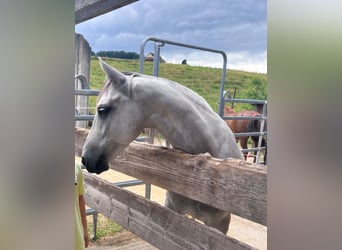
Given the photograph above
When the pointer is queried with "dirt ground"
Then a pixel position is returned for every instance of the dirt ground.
(241, 229)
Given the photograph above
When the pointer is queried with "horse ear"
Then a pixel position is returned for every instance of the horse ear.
(112, 74)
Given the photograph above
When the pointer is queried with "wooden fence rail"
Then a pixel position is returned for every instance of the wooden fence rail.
(229, 184)
(87, 9)
(152, 222)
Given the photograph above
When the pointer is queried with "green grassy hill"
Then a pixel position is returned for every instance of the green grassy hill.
(203, 80)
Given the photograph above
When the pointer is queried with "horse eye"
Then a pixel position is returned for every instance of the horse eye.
(103, 111)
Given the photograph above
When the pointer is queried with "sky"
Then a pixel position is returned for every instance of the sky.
(237, 27)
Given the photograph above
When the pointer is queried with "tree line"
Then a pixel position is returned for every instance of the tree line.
(116, 54)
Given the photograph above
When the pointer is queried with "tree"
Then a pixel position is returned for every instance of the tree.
(118, 54)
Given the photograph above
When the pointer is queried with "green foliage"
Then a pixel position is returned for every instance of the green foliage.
(118, 54)
(205, 81)
(105, 227)
(257, 91)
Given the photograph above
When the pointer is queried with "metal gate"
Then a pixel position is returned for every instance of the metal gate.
(159, 43)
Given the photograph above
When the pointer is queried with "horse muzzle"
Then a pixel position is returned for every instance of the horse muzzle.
(95, 165)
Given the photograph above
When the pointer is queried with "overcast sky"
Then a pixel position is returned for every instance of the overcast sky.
(237, 27)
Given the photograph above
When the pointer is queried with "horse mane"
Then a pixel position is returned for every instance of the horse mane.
(197, 101)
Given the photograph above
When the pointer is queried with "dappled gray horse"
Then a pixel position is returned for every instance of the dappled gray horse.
(130, 102)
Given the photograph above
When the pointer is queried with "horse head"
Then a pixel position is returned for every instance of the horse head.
(117, 122)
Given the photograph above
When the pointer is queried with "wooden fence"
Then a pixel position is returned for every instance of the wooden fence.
(229, 184)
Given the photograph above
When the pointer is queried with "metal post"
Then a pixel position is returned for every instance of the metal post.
(156, 58)
(262, 126)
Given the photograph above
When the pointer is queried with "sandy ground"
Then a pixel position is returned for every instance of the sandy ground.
(241, 229)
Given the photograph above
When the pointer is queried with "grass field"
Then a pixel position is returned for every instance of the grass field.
(205, 81)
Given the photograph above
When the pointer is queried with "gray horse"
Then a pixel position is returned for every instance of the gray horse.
(130, 102)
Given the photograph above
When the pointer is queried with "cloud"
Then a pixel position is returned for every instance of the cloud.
(237, 27)
(256, 62)
(242, 60)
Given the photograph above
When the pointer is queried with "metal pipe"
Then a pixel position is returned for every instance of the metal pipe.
(245, 101)
(164, 41)
(84, 117)
(245, 117)
(84, 81)
(128, 183)
(86, 92)
(252, 149)
(156, 58)
(262, 125)
(250, 134)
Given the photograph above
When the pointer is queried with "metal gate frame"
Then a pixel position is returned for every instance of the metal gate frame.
(159, 43)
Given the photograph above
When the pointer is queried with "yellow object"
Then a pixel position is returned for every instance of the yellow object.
(79, 190)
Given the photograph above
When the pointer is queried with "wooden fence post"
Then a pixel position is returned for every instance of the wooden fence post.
(82, 67)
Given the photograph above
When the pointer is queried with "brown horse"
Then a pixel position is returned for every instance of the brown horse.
(245, 126)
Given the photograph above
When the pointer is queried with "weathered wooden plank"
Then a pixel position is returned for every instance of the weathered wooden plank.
(158, 225)
(87, 9)
(82, 67)
(230, 184)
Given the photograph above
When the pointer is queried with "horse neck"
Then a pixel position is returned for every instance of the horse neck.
(171, 110)
(163, 118)
(188, 122)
